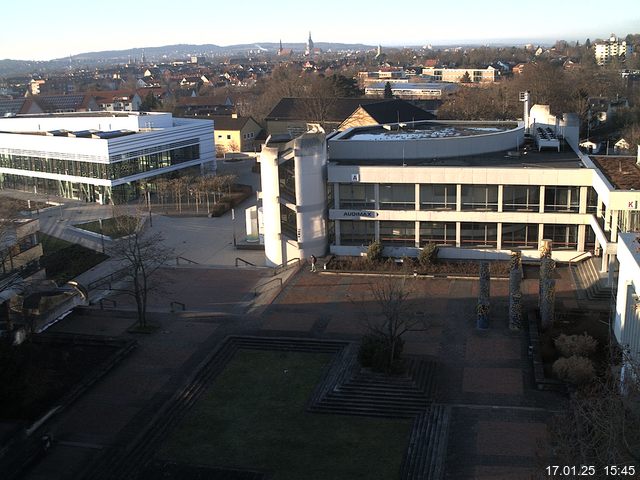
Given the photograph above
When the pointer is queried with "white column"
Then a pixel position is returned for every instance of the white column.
(500, 197)
(458, 234)
(499, 231)
(581, 238)
(417, 234)
(583, 200)
(541, 209)
(458, 199)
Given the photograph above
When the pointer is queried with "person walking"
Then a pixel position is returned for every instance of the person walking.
(313, 263)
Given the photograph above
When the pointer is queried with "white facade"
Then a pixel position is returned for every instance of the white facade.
(627, 317)
(612, 48)
(89, 155)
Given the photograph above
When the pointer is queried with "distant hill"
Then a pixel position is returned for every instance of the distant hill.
(10, 67)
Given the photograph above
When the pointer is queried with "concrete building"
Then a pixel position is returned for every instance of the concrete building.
(613, 48)
(412, 91)
(235, 133)
(99, 156)
(477, 189)
(457, 75)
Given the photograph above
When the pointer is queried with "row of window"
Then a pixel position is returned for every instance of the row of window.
(110, 171)
(472, 235)
(523, 198)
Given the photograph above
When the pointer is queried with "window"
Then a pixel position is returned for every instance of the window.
(592, 201)
(228, 137)
(437, 197)
(357, 195)
(286, 178)
(564, 237)
(288, 223)
(480, 197)
(398, 234)
(397, 196)
(355, 232)
(440, 233)
(479, 235)
(519, 235)
(520, 198)
(562, 199)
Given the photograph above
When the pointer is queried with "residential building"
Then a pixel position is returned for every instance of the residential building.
(48, 104)
(118, 100)
(100, 157)
(235, 133)
(457, 75)
(412, 91)
(385, 112)
(613, 48)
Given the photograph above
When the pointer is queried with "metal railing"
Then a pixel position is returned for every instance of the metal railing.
(192, 262)
(284, 266)
(238, 259)
(108, 279)
(578, 257)
(258, 287)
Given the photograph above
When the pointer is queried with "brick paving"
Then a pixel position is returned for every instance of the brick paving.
(498, 416)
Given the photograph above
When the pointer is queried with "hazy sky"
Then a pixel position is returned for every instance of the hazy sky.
(44, 29)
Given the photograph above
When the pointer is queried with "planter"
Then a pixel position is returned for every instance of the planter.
(482, 321)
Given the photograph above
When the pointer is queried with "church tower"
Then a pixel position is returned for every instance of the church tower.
(309, 50)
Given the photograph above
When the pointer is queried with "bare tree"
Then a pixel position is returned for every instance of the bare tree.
(142, 253)
(392, 300)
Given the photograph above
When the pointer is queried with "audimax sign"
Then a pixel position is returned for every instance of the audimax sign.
(360, 213)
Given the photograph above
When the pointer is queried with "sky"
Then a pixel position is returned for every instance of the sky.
(48, 30)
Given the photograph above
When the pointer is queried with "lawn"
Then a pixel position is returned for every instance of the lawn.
(114, 227)
(65, 260)
(252, 417)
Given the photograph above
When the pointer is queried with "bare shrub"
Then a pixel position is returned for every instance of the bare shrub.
(580, 345)
(575, 370)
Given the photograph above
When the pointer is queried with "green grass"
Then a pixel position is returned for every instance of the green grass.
(114, 227)
(65, 260)
(253, 417)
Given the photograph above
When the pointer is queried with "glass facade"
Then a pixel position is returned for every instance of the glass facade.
(480, 197)
(440, 233)
(398, 234)
(360, 195)
(354, 232)
(520, 198)
(478, 235)
(288, 222)
(108, 171)
(287, 180)
(562, 199)
(519, 235)
(438, 197)
(397, 196)
(564, 237)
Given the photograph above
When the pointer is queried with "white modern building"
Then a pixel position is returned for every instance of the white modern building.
(610, 49)
(477, 189)
(412, 90)
(100, 157)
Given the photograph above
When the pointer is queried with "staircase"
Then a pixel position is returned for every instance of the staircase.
(590, 283)
(426, 453)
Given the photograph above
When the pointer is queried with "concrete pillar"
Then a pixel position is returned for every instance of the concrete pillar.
(614, 225)
(417, 196)
(499, 231)
(540, 234)
(376, 195)
(583, 199)
(337, 233)
(581, 238)
(541, 209)
(458, 198)
(500, 197)
(417, 234)
(458, 233)
(336, 195)
(377, 229)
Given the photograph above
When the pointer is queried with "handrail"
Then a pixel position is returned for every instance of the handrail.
(574, 259)
(112, 302)
(174, 303)
(283, 266)
(255, 291)
(244, 261)
(186, 260)
(117, 275)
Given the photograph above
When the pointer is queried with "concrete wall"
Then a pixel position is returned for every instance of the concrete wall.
(627, 317)
(426, 148)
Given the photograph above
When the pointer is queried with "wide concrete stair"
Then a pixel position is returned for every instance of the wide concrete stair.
(591, 284)
(350, 390)
(427, 449)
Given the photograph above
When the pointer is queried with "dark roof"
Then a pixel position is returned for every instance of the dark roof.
(227, 122)
(55, 103)
(334, 109)
(11, 107)
(622, 172)
(395, 111)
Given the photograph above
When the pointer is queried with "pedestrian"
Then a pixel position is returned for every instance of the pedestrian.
(313, 263)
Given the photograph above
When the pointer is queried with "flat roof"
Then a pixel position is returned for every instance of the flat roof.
(532, 158)
(622, 172)
(433, 129)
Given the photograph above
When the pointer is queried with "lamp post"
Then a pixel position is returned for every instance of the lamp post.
(233, 220)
